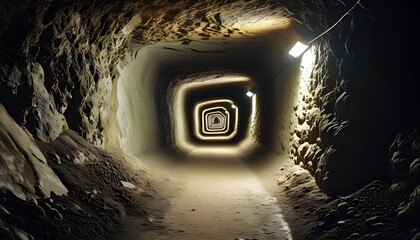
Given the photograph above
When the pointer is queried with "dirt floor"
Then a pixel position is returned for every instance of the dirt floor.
(216, 198)
(116, 196)
(268, 197)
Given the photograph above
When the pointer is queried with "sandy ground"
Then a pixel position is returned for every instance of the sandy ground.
(215, 198)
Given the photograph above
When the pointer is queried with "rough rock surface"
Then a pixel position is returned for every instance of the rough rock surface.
(24, 170)
(404, 168)
(349, 114)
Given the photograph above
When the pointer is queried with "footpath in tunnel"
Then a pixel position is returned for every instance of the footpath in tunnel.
(215, 198)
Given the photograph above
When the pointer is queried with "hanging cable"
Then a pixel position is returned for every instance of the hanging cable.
(335, 24)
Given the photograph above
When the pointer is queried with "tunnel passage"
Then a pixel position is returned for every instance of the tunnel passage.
(113, 71)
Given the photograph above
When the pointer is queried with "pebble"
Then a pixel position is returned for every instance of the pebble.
(331, 217)
(128, 185)
(414, 231)
(378, 225)
(4, 210)
(341, 222)
(355, 235)
(350, 214)
(343, 207)
(320, 226)
(351, 209)
(373, 220)
(34, 202)
(56, 214)
(376, 236)
(76, 208)
(20, 234)
(416, 237)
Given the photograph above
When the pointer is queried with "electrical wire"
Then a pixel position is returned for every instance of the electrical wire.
(335, 24)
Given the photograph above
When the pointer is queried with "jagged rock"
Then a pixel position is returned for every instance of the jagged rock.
(335, 169)
(416, 147)
(374, 220)
(414, 173)
(416, 237)
(343, 207)
(302, 149)
(409, 212)
(19, 154)
(400, 166)
(328, 102)
(128, 185)
(327, 128)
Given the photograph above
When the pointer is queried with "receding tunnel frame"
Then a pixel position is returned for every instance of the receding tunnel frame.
(207, 114)
(181, 139)
(215, 122)
(208, 118)
(219, 135)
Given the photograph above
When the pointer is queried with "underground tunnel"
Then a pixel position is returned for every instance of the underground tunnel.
(199, 120)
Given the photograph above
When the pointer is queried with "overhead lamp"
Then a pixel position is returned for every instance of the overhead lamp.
(251, 92)
(234, 106)
(298, 49)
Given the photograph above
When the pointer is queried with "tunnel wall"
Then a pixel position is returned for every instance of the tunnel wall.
(364, 95)
(137, 117)
(74, 49)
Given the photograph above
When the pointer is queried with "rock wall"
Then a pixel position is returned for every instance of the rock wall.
(355, 101)
(405, 170)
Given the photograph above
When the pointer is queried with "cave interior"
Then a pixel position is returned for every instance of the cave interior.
(192, 120)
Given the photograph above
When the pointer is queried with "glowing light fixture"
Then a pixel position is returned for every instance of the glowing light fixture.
(251, 92)
(234, 106)
(298, 49)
